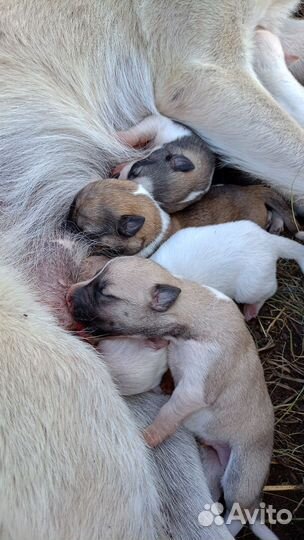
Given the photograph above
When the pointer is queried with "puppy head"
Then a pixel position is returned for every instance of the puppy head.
(130, 296)
(177, 174)
(118, 218)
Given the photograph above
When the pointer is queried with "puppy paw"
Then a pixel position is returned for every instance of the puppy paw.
(251, 311)
(153, 437)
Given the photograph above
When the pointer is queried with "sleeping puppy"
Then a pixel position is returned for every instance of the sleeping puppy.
(178, 172)
(136, 364)
(220, 394)
(118, 218)
(239, 259)
(222, 204)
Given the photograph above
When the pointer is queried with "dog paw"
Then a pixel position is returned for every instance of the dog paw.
(251, 311)
(152, 437)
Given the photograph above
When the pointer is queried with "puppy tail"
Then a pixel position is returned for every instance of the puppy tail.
(275, 201)
(242, 484)
(289, 249)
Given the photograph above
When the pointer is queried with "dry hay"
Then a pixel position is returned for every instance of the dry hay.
(279, 335)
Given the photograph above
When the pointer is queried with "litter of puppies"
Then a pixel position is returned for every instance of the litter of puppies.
(145, 318)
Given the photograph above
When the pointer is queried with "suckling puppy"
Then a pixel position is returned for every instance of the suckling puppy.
(136, 364)
(238, 258)
(222, 204)
(179, 171)
(220, 393)
(118, 217)
(121, 217)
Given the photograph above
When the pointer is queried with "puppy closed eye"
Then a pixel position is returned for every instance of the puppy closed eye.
(134, 172)
(128, 226)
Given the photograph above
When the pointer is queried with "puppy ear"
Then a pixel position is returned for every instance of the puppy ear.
(130, 225)
(179, 162)
(164, 296)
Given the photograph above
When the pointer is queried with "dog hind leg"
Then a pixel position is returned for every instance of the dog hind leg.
(241, 120)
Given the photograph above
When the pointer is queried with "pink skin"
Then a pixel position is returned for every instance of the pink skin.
(157, 343)
(251, 311)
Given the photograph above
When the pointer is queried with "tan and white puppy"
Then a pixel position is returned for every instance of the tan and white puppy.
(136, 364)
(119, 217)
(220, 393)
(178, 171)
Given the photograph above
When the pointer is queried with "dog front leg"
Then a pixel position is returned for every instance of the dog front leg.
(172, 414)
(241, 120)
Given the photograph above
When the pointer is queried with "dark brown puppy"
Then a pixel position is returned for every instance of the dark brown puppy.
(227, 203)
(177, 174)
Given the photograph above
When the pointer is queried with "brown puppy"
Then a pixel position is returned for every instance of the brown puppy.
(220, 391)
(177, 173)
(119, 217)
(222, 204)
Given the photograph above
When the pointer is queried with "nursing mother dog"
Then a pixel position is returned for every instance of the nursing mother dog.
(72, 73)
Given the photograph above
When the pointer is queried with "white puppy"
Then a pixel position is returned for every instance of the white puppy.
(136, 364)
(237, 258)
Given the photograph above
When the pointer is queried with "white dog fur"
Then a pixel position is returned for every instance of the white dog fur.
(60, 63)
(135, 365)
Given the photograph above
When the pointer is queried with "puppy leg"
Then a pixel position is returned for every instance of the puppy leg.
(272, 71)
(244, 478)
(241, 120)
(214, 470)
(251, 311)
(179, 470)
(276, 225)
(172, 414)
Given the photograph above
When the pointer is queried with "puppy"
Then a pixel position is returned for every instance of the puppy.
(220, 394)
(121, 218)
(118, 217)
(222, 204)
(179, 171)
(238, 258)
(136, 364)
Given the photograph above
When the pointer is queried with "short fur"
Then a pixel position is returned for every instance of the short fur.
(98, 212)
(222, 204)
(71, 73)
(176, 174)
(239, 259)
(220, 391)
